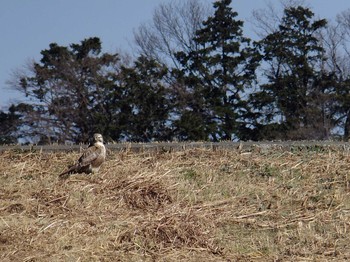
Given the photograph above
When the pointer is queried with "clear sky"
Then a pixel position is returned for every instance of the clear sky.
(29, 26)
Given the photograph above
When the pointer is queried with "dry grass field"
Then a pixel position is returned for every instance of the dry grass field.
(189, 205)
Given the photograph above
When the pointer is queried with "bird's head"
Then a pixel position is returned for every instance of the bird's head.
(98, 138)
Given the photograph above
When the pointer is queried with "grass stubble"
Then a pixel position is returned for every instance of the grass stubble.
(188, 205)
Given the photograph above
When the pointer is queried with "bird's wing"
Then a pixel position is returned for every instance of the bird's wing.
(90, 154)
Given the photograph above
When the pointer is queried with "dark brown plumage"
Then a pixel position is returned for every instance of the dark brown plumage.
(91, 160)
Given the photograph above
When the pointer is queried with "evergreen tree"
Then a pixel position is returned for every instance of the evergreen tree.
(215, 77)
(292, 102)
(341, 105)
(148, 101)
(72, 93)
(9, 123)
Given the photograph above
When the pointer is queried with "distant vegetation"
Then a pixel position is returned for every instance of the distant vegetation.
(196, 76)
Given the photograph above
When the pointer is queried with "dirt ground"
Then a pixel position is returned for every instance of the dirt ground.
(185, 205)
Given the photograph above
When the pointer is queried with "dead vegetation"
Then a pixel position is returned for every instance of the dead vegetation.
(190, 205)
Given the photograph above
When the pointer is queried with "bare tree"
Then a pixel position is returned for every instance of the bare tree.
(332, 40)
(172, 29)
(344, 19)
(266, 20)
(343, 32)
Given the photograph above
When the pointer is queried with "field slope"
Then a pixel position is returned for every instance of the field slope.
(186, 205)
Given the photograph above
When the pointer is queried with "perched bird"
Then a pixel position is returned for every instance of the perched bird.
(91, 160)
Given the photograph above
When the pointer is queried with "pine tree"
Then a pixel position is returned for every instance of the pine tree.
(9, 123)
(292, 99)
(148, 100)
(72, 93)
(215, 77)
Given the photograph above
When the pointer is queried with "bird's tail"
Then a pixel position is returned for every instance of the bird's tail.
(69, 171)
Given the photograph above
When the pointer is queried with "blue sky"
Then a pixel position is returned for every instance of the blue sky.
(29, 26)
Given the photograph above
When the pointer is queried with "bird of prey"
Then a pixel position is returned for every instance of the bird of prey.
(91, 160)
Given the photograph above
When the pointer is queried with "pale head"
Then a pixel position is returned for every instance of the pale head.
(98, 138)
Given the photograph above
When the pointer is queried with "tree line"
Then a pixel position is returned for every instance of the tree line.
(196, 76)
